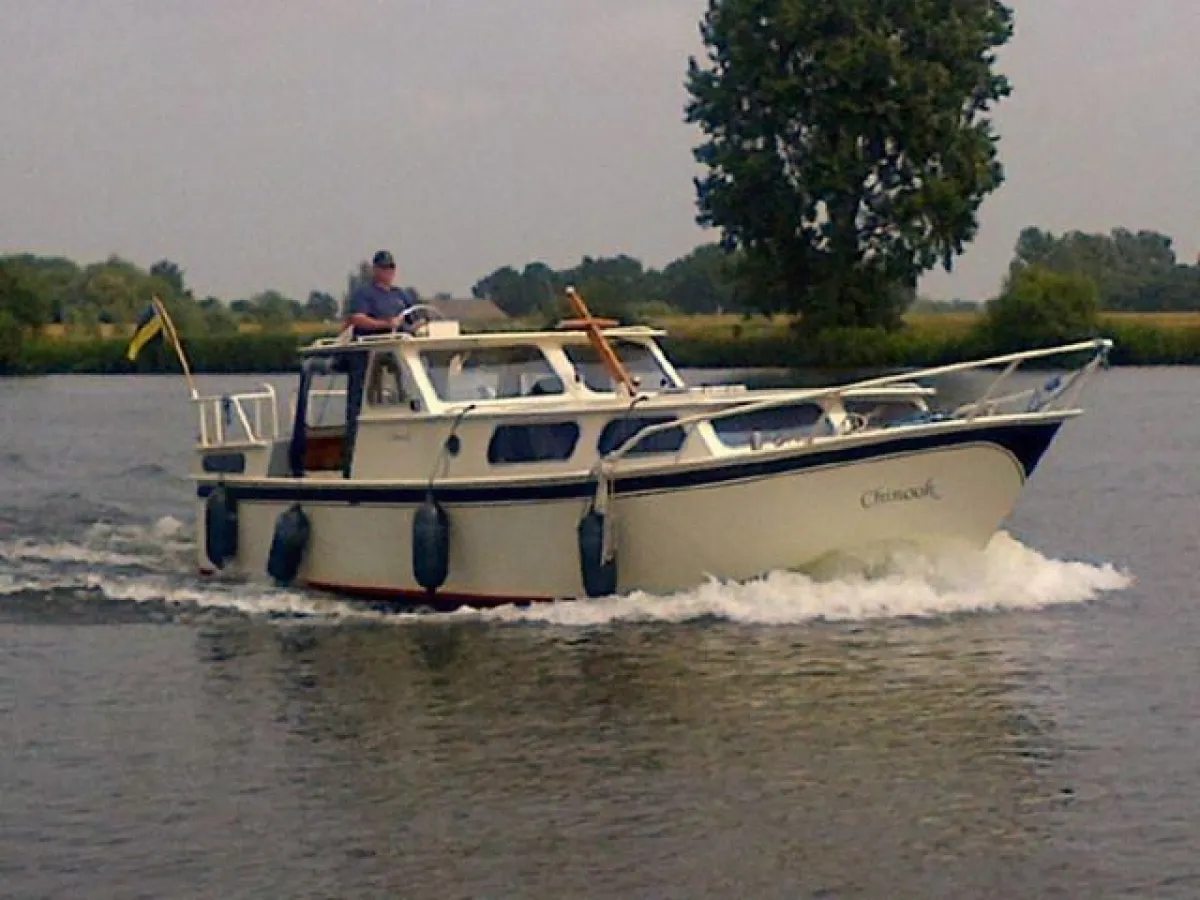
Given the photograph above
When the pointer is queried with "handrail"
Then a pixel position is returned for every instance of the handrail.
(251, 424)
(1099, 344)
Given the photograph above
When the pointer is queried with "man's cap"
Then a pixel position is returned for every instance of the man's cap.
(383, 259)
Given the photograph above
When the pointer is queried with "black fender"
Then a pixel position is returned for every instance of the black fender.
(431, 545)
(292, 533)
(599, 574)
(220, 526)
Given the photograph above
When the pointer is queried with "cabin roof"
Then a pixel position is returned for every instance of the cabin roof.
(554, 338)
(469, 309)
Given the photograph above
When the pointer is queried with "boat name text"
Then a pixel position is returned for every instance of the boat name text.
(880, 496)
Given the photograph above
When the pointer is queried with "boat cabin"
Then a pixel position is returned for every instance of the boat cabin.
(446, 404)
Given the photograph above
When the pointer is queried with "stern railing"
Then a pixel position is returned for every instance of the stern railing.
(246, 418)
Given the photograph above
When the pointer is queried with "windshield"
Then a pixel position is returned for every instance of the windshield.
(639, 361)
(490, 373)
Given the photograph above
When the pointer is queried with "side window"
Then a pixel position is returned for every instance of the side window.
(327, 402)
(389, 382)
(541, 442)
(776, 423)
(638, 361)
(883, 412)
(618, 431)
(491, 373)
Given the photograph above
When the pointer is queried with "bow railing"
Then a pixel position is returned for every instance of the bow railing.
(1099, 346)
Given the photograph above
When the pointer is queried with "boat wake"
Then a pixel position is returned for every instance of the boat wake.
(900, 584)
(150, 570)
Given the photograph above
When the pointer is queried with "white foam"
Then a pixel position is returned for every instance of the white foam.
(1006, 576)
(22, 550)
(247, 599)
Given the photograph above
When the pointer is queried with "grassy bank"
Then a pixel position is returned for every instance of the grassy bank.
(1151, 339)
(695, 341)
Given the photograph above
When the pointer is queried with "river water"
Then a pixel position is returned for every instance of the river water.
(1023, 723)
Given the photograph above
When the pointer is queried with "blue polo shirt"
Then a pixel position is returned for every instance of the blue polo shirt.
(378, 302)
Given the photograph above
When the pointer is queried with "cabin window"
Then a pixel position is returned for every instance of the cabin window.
(618, 431)
(327, 402)
(389, 382)
(778, 423)
(883, 412)
(638, 361)
(491, 373)
(540, 442)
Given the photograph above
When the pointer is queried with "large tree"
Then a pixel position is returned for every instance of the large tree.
(847, 145)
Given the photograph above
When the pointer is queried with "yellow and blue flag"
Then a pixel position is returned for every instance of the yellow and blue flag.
(149, 327)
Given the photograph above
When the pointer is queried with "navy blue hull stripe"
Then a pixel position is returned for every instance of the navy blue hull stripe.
(1027, 442)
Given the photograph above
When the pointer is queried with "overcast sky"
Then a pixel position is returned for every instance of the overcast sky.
(273, 143)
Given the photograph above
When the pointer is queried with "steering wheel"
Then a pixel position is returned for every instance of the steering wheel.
(425, 309)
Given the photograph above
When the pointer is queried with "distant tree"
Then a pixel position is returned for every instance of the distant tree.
(22, 312)
(321, 307)
(172, 275)
(271, 309)
(19, 298)
(615, 286)
(51, 278)
(701, 282)
(114, 291)
(218, 318)
(622, 270)
(846, 145)
(517, 293)
(1041, 307)
(1132, 271)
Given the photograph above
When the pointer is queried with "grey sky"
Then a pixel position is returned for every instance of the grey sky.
(273, 143)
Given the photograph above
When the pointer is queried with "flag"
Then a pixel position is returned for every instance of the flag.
(149, 326)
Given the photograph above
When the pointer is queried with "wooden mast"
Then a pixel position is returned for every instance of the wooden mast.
(593, 327)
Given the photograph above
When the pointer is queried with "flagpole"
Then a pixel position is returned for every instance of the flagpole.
(170, 326)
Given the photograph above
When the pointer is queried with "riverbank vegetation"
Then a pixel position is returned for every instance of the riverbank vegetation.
(707, 341)
(56, 316)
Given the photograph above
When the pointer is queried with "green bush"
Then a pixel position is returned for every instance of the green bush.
(226, 354)
(1040, 308)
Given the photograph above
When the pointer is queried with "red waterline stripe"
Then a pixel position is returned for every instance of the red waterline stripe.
(420, 597)
(441, 599)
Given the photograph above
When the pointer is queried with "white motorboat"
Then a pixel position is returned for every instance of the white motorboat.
(445, 468)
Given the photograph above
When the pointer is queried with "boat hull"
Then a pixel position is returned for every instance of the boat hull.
(673, 530)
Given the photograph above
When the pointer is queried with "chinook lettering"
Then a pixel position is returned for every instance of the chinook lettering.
(880, 496)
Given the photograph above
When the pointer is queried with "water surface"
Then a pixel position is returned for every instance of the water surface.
(1018, 724)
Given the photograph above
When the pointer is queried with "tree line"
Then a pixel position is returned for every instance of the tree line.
(1132, 271)
(60, 291)
(702, 281)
